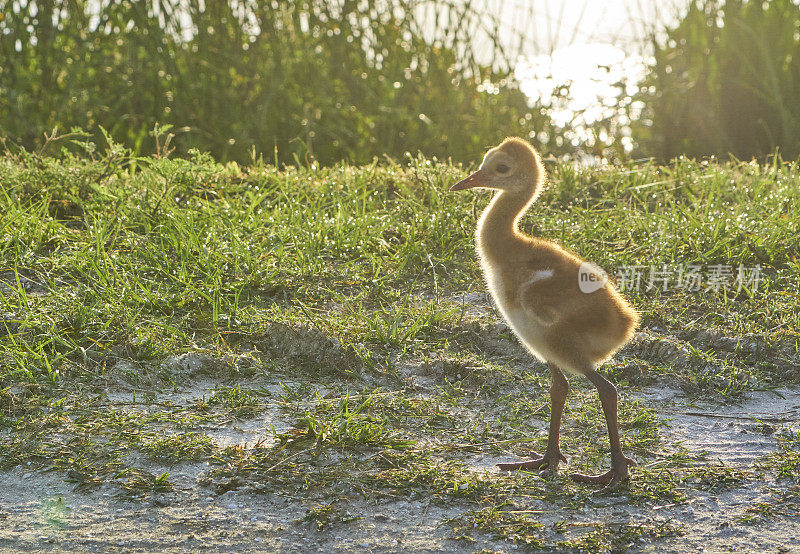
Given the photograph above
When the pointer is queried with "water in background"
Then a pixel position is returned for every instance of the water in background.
(584, 59)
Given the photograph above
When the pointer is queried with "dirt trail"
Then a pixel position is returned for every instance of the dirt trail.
(41, 511)
(736, 435)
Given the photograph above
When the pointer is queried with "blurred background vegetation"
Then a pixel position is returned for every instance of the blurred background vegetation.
(353, 80)
(309, 78)
(725, 80)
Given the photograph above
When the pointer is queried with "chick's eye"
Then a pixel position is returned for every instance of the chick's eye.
(502, 168)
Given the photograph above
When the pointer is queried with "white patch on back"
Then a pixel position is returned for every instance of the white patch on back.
(539, 275)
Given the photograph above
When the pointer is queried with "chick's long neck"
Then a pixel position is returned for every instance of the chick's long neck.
(497, 228)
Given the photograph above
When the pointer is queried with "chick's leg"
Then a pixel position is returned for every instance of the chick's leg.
(619, 462)
(559, 387)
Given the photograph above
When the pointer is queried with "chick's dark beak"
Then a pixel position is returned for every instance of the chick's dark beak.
(477, 179)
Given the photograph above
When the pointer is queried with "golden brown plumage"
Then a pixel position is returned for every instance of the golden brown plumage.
(573, 325)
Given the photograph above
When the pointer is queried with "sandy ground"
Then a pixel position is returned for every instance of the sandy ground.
(41, 511)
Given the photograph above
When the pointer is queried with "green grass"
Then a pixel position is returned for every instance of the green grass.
(327, 515)
(332, 286)
(145, 263)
